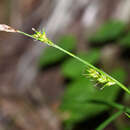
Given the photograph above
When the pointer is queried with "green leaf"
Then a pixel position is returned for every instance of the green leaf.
(75, 104)
(108, 31)
(125, 41)
(72, 68)
(126, 97)
(51, 55)
(78, 93)
(119, 74)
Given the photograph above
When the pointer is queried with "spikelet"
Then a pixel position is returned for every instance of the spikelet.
(41, 36)
(100, 78)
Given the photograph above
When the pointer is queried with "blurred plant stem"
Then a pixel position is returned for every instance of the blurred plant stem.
(109, 120)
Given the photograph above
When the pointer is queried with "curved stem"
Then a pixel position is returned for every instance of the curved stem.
(109, 120)
(111, 104)
(90, 65)
(79, 59)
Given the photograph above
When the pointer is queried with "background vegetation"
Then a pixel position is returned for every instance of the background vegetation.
(43, 88)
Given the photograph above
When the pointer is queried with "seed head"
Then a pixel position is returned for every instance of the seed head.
(100, 78)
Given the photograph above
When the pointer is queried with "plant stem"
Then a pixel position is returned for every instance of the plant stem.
(90, 65)
(81, 60)
(72, 55)
(109, 120)
(118, 106)
(26, 34)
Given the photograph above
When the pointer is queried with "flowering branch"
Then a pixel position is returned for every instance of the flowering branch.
(93, 72)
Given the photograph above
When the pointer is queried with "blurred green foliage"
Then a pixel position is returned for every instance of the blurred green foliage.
(109, 31)
(123, 125)
(75, 101)
(125, 41)
(72, 69)
(127, 97)
(51, 55)
(119, 74)
(76, 105)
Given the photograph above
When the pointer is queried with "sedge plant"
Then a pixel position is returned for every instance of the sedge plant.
(94, 73)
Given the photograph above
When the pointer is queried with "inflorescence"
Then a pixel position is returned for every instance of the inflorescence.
(100, 78)
(41, 36)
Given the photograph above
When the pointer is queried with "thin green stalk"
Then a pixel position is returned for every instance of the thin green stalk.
(128, 115)
(109, 120)
(118, 106)
(72, 55)
(39, 36)
(90, 65)
(23, 33)
(95, 73)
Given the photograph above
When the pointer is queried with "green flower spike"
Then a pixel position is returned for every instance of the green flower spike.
(41, 36)
(100, 78)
